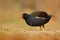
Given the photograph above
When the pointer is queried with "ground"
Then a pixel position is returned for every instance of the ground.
(32, 35)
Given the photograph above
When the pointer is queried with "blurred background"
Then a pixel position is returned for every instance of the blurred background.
(11, 10)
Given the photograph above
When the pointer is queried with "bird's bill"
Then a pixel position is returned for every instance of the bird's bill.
(22, 17)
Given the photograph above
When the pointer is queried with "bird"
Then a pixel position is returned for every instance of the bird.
(35, 21)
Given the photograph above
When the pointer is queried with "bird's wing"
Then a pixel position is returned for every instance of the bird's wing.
(40, 17)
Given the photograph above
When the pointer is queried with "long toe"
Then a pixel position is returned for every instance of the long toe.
(40, 29)
(44, 28)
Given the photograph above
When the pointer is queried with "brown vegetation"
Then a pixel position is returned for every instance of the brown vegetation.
(32, 35)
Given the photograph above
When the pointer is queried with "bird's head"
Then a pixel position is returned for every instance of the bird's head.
(24, 16)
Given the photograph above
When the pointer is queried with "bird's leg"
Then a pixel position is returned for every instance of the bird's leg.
(43, 26)
(40, 27)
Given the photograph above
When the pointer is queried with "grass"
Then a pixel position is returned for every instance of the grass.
(32, 35)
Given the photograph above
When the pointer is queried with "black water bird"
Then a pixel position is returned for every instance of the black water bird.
(36, 21)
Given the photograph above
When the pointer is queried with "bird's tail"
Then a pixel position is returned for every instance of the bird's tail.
(48, 18)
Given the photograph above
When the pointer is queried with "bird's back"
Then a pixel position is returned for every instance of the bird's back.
(39, 13)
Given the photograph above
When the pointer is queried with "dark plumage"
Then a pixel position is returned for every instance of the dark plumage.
(39, 13)
(33, 21)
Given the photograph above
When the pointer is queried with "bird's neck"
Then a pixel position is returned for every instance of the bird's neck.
(26, 17)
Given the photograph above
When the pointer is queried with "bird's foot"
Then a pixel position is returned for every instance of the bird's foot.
(40, 29)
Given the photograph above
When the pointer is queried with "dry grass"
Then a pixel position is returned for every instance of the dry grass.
(32, 35)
